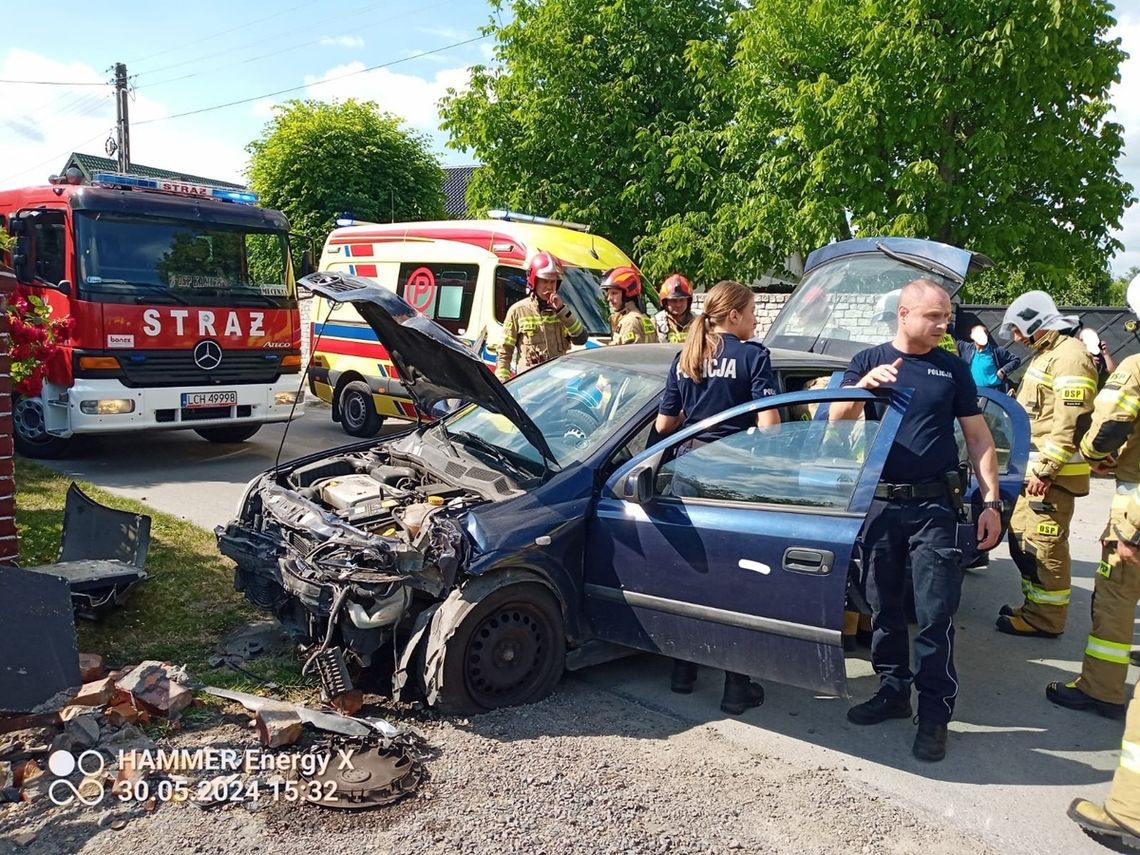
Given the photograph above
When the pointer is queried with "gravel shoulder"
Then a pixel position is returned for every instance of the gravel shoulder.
(585, 771)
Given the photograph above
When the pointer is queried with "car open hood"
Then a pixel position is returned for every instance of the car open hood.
(950, 261)
(434, 365)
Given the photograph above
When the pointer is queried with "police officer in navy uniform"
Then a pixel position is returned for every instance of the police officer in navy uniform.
(719, 368)
(914, 512)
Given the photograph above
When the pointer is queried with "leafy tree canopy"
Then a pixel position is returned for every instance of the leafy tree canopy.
(317, 160)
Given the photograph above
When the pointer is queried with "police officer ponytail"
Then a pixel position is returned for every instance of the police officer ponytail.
(703, 342)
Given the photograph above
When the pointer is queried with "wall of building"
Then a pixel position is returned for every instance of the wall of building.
(9, 546)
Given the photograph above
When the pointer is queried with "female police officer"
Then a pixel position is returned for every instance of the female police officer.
(718, 368)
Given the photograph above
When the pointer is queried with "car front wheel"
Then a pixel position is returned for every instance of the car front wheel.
(509, 649)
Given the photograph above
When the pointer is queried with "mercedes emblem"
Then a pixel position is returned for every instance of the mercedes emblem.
(207, 354)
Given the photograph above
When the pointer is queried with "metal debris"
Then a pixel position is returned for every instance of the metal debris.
(374, 775)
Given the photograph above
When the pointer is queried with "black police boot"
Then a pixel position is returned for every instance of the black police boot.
(684, 676)
(740, 694)
(1069, 695)
(930, 741)
(880, 708)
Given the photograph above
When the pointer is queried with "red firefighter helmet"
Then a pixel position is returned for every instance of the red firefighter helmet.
(676, 287)
(626, 278)
(543, 266)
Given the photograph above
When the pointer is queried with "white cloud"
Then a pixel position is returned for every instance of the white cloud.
(449, 33)
(342, 41)
(412, 98)
(1126, 111)
(41, 126)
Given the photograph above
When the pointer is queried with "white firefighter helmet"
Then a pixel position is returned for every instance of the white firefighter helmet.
(1033, 311)
(1132, 295)
(887, 306)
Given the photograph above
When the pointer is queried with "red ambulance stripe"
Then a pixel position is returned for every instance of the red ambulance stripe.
(360, 250)
(365, 270)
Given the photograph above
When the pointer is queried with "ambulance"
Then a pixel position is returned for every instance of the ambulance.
(182, 305)
(463, 274)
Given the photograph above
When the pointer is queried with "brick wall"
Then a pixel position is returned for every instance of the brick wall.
(767, 307)
(9, 548)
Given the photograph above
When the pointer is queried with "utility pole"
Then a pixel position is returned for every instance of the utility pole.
(122, 123)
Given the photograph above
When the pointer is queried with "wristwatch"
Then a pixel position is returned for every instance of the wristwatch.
(997, 505)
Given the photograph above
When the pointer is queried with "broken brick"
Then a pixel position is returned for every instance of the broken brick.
(278, 727)
(152, 688)
(349, 703)
(119, 714)
(36, 790)
(26, 772)
(83, 731)
(91, 667)
(70, 712)
(95, 694)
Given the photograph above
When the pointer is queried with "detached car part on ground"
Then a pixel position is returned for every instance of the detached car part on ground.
(545, 527)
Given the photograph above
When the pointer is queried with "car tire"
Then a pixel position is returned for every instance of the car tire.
(509, 649)
(29, 431)
(230, 433)
(358, 416)
(578, 425)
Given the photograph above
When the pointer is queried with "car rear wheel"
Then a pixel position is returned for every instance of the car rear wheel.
(509, 649)
(358, 416)
(232, 433)
(30, 434)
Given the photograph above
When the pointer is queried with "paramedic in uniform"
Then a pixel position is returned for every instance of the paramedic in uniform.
(540, 326)
(717, 369)
(1111, 446)
(914, 513)
(1057, 391)
(630, 325)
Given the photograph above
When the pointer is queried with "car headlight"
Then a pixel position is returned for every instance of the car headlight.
(109, 407)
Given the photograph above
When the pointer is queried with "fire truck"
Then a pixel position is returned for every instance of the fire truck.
(182, 303)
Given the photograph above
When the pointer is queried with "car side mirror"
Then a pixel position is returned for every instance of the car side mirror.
(307, 263)
(637, 486)
(24, 258)
(63, 286)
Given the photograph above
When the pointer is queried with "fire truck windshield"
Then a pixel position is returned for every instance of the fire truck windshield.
(124, 259)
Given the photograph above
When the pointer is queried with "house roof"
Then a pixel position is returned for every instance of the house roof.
(88, 164)
(455, 181)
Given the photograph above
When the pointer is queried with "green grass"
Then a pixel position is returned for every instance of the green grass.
(178, 613)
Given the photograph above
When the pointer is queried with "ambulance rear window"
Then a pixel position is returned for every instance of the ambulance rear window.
(443, 292)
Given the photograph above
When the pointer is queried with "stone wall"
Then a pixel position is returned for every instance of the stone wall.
(9, 546)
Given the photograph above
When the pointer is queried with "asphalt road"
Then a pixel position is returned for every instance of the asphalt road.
(1015, 761)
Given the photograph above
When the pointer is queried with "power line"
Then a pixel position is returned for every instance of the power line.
(52, 83)
(51, 159)
(314, 83)
(279, 51)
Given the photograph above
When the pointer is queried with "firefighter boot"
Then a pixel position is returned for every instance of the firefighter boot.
(1095, 822)
(930, 741)
(684, 676)
(1017, 625)
(1070, 695)
(740, 694)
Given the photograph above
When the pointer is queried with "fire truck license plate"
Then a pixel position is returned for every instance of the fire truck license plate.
(192, 400)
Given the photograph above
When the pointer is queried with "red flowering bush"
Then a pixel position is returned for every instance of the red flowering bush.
(36, 340)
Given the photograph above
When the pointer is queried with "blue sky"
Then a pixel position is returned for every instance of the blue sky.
(185, 58)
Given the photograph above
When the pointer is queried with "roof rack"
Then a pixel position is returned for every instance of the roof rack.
(516, 217)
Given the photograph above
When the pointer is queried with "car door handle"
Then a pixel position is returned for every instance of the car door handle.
(800, 560)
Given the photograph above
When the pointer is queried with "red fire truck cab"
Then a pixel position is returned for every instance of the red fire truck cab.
(183, 303)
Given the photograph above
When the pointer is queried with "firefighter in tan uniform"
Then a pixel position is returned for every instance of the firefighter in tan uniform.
(540, 326)
(629, 323)
(1119, 818)
(1057, 392)
(676, 316)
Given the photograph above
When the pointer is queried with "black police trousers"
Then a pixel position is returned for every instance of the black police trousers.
(926, 531)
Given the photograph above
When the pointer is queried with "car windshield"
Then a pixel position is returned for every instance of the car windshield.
(577, 403)
(124, 259)
(845, 305)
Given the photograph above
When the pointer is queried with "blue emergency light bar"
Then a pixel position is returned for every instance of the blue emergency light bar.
(171, 185)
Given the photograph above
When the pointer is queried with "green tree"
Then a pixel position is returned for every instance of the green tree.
(599, 111)
(316, 160)
(974, 122)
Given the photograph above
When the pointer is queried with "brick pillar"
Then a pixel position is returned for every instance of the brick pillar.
(9, 547)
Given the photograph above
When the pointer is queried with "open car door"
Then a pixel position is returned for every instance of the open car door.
(734, 554)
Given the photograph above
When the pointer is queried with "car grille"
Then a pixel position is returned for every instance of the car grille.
(177, 368)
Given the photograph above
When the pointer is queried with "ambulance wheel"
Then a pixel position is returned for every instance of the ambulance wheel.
(358, 416)
(29, 432)
(230, 433)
